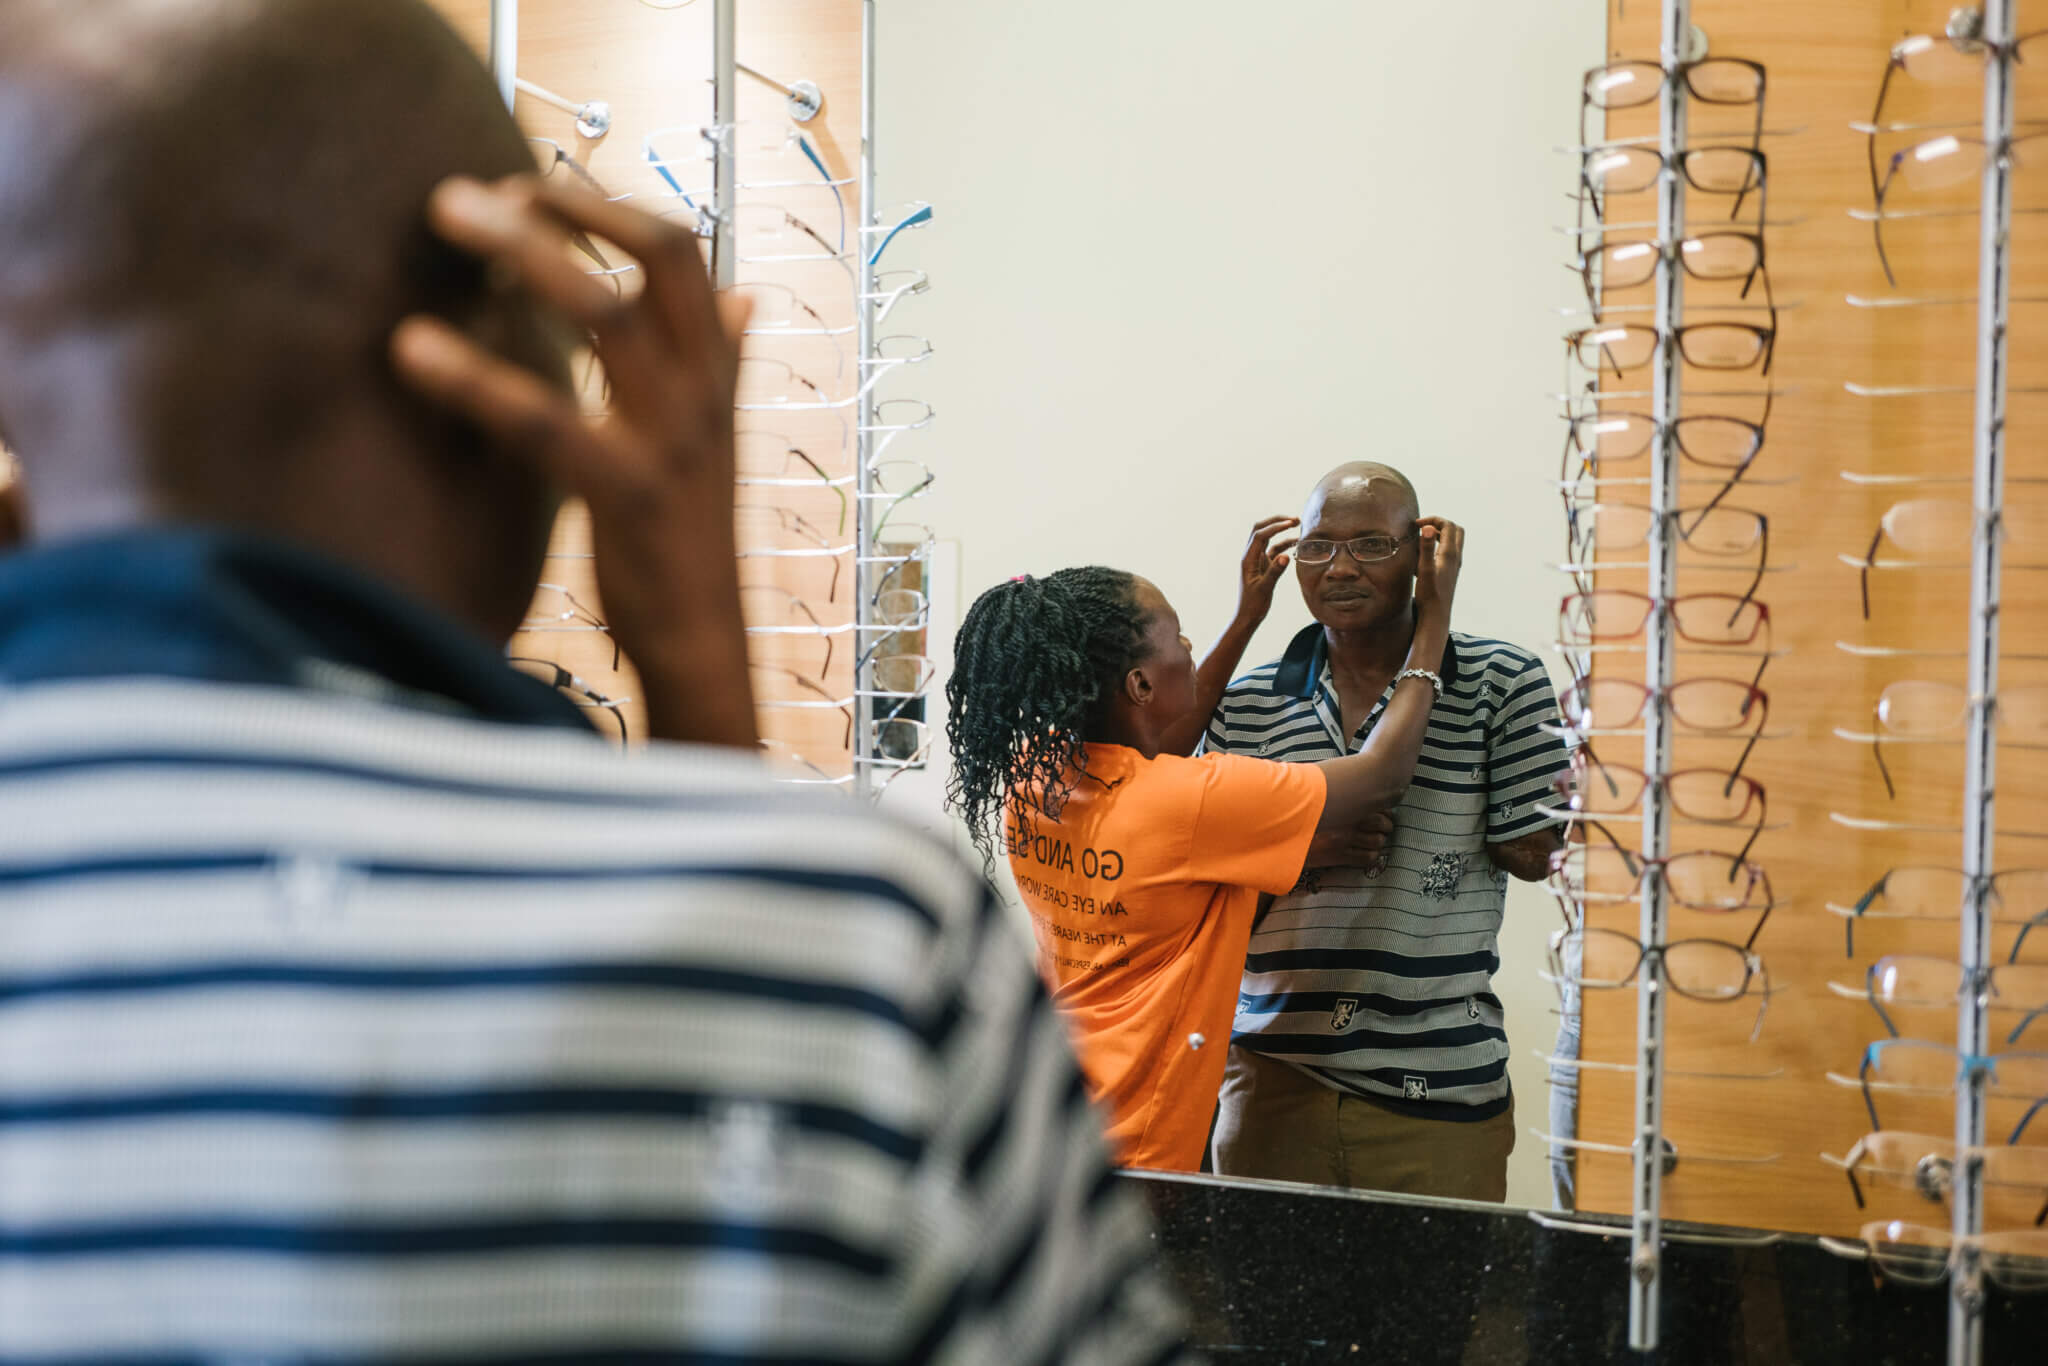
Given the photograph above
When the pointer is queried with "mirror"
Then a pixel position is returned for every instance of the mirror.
(1189, 265)
(1184, 263)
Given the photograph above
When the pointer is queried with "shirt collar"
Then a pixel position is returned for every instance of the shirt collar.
(228, 607)
(1308, 657)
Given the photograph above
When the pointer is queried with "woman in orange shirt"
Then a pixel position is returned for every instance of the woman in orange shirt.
(1073, 702)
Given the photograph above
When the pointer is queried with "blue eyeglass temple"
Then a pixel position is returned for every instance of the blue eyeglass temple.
(921, 215)
(810, 155)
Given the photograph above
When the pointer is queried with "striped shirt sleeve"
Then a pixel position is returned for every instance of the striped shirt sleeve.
(1047, 1256)
(1522, 759)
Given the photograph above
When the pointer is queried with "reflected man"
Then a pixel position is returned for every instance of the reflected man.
(1369, 1049)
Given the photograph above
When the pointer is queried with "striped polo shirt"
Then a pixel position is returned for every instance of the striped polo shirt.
(333, 1030)
(1381, 984)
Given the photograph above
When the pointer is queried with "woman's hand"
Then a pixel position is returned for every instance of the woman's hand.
(658, 471)
(1263, 564)
(1442, 552)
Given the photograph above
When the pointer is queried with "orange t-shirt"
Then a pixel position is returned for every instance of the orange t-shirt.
(1142, 895)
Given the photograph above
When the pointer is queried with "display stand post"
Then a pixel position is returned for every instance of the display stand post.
(864, 417)
(1646, 1234)
(724, 192)
(1966, 1282)
(504, 52)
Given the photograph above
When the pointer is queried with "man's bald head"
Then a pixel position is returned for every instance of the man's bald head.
(1361, 479)
(211, 218)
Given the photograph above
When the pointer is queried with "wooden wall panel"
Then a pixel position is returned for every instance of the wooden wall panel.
(653, 67)
(1825, 59)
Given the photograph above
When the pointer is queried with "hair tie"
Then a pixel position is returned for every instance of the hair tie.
(1020, 578)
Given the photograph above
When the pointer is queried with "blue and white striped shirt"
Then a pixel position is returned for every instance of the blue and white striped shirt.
(1381, 985)
(334, 1030)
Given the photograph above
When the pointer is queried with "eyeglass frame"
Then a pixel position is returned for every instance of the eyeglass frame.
(1882, 187)
(1664, 167)
(1896, 61)
(1664, 780)
(1573, 510)
(566, 681)
(1666, 337)
(1753, 967)
(1989, 883)
(1682, 70)
(1934, 1173)
(1670, 250)
(1664, 604)
(1968, 1066)
(1755, 697)
(1350, 548)
(1661, 431)
(1985, 988)
(1661, 865)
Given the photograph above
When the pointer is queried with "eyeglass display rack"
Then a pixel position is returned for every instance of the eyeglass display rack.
(1660, 671)
(1993, 28)
(874, 570)
(1650, 1156)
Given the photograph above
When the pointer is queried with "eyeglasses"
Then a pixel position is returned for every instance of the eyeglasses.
(1936, 526)
(1936, 61)
(1699, 969)
(1710, 440)
(1364, 549)
(1913, 1254)
(1708, 796)
(1604, 438)
(1716, 80)
(899, 677)
(1709, 256)
(1723, 707)
(819, 545)
(775, 311)
(1926, 1163)
(555, 608)
(580, 692)
(1698, 880)
(1716, 531)
(767, 155)
(1712, 706)
(1610, 614)
(1620, 347)
(1923, 893)
(1921, 1067)
(1932, 165)
(894, 747)
(1916, 710)
(1617, 169)
(1917, 981)
(892, 417)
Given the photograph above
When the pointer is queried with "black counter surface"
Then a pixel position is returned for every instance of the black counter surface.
(1279, 1274)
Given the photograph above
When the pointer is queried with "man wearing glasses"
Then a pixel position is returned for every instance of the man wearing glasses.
(362, 1004)
(1369, 1049)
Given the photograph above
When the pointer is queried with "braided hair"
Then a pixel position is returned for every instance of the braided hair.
(1036, 663)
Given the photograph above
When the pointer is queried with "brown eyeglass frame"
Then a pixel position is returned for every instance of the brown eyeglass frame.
(1565, 787)
(1767, 337)
(1591, 196)
(1683, 71)
(1584, 265)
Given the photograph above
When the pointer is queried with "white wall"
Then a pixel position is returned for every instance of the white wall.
(1191, 253)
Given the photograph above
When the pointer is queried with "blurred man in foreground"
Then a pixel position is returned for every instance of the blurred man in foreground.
(358, 1002)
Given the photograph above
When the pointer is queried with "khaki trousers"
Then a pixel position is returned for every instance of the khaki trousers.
(1280, 1124)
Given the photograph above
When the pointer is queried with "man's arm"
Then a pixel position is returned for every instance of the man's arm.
(1263, 564)
(1527, 857)
(1525, 755)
